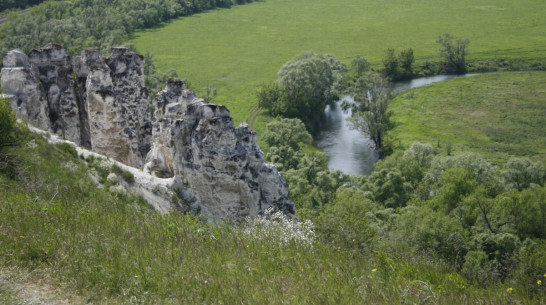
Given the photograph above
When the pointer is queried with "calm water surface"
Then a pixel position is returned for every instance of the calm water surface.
(350, 151)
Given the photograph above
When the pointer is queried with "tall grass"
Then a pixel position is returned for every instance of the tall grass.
(111, 248)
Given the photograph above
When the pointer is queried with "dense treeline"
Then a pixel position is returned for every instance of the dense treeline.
(99, 23)
(11, 4)
(487, 223)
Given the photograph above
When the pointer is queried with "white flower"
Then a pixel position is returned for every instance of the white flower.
(112, 178)
(278, 228)
(31, 144)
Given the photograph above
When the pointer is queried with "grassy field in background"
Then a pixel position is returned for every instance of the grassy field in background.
(238, 49)
(498, 115)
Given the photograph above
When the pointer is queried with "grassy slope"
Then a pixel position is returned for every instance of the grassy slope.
(496, 114)
(110, 249)
(236, 50)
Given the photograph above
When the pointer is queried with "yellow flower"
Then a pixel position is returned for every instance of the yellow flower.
(509, 290)
(539, 282)
(374, 270)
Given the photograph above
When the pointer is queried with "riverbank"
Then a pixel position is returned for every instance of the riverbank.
(499, 115)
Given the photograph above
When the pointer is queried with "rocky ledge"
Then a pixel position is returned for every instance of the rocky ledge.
(212, 167)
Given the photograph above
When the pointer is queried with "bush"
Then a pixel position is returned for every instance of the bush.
(344, 223)
(8, 123)
(453, 53)
(522, 173)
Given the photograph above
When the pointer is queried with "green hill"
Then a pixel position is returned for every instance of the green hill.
(236, 50)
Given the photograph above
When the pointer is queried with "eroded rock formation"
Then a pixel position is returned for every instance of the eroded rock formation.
(218, 169)
(211, 166)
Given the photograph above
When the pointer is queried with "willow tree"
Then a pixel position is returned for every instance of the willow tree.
(305, 86)
(370, 114)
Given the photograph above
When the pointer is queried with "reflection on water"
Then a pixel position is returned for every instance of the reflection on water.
(347, 149)
(423, 81)
(350, 151)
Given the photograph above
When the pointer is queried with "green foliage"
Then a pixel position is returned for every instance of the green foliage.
(370, 113)
(520, 173)
(284, 138)
(155, 80)
(8, 123)
(477, 267)
(305, 86)
(360, 65)
(398, 67)
(454, 184)
(344, 223)
(499, 115)
(68, 149)
(433, 231)
(422, 153)
(125, 175)
(453, 53)
(13, 4)
(77, 24)
(270, 33)
(532, 268)
(287, 132)
(388, 187)
(391, 65)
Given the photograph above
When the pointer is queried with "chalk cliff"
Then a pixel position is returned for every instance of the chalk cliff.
(210, 166)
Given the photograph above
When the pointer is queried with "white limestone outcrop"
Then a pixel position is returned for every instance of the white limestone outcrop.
(202, 162)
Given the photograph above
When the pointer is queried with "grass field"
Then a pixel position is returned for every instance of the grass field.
(238, 49)
(58, 229)
(498, 115)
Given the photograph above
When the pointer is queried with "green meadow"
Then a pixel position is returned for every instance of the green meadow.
(499, 115)
(238, 49)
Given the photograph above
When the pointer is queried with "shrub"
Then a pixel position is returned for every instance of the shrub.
(453, 53)
(7, 124)
(521, 173)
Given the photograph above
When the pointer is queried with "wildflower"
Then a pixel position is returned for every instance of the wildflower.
(539, 282)
(509, 290)
(280, 229)
(374, 269)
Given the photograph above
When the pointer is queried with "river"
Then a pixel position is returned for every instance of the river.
(348, 150)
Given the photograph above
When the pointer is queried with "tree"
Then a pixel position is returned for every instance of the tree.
(7, 124)
(390, 64)
(305, 86)
(453, 53)
(522, 173)
(370, 113)
(360, 66)
(398, 67)
(406, 59)
(287, 132)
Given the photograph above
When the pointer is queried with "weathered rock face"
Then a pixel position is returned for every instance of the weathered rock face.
(104, 109)
(117, 104)
(214, 168)
(28, 96)
(218, 169)
(169, 105)
(53, 68)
